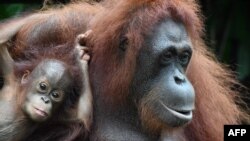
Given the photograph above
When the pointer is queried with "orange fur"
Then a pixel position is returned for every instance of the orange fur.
(52, 34)
(215, 100)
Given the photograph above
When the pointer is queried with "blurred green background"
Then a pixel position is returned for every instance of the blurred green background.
(227, 29)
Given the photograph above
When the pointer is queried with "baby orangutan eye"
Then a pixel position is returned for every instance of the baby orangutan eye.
(42, 87)
(57, 96)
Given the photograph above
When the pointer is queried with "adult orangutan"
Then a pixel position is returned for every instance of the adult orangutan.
(154, 79)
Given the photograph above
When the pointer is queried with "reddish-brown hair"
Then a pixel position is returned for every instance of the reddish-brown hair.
(215, 99)
(51, 34)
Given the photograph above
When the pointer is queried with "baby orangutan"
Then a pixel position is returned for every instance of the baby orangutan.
(46, 94)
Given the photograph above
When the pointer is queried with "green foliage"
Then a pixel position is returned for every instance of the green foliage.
(10, 10)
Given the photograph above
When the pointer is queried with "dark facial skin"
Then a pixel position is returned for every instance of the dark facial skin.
(160, 78)
(40, 94)
(160, 87)
(48, 83)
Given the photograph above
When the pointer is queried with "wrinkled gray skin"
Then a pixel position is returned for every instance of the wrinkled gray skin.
(159, 75)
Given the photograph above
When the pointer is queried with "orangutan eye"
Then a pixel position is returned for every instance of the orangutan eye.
(42, 87)
(57, 96)
(167, 56)
(185, 57)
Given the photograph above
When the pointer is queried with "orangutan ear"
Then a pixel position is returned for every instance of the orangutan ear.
(25, 77)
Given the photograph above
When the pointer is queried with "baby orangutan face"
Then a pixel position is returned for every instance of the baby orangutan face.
(47, 87)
